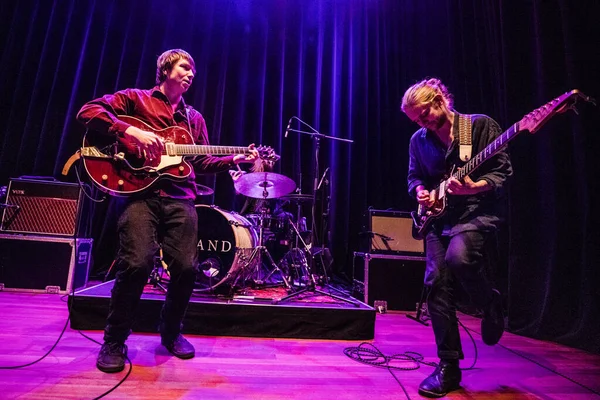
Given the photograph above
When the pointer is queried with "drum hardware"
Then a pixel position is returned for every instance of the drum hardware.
(295, 264)
(311, 285)
(264, 185)
(156, 276)
(158, 270)
(311, 282)
(295, 259)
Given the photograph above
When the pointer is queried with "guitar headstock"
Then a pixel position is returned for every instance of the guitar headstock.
(538, 117)
(267, 153)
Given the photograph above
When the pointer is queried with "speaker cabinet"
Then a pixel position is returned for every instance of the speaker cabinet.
(41, 207)
(395, 281)
(43, 264)
(390, 232)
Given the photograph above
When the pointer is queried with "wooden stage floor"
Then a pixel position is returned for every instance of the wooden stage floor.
(273, 368)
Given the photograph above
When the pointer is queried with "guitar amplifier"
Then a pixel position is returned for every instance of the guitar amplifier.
(390, 232)
(42, 207)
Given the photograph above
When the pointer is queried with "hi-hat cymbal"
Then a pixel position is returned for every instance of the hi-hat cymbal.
(298, 198)
(202, 190)
(264, 185)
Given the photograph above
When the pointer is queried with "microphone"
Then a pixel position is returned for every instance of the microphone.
(4, 205)
(287, 130)
(322, 178)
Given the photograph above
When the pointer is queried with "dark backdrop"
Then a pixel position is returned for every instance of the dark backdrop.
(342, 66)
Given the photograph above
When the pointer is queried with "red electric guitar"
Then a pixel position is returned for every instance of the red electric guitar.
(423, 217)
(118, 168)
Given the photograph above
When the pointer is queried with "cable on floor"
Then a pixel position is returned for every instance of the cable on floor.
(56, 344)
(369, 354)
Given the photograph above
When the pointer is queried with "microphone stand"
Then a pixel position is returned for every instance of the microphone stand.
(311, 284)
(384, 239)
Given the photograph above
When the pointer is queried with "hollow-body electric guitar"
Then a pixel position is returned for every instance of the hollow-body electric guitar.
(423, 217)
(117, 167)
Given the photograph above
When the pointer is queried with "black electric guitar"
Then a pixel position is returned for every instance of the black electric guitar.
(117, 167)
(423, 217)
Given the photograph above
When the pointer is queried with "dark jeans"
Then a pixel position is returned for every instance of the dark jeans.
(452, 263)
(141, 226)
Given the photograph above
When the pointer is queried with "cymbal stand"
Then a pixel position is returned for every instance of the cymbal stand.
(155, 277)
(311, 284)
(261, 250)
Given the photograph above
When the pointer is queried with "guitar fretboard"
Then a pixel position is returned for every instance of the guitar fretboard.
(489, 151)
(197, 150)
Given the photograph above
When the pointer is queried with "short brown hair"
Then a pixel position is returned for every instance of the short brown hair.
(424, 92)
(167, 60)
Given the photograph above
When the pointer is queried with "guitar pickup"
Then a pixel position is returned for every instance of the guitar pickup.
(92, 151)
(170, 149)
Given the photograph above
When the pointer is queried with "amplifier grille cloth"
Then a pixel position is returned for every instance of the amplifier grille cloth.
(41, 215)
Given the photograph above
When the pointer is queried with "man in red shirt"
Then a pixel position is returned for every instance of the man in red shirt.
(164, 212)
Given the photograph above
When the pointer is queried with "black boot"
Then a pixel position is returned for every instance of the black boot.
(179, 347)
(492, 323)
(111, 357)
(444, 379)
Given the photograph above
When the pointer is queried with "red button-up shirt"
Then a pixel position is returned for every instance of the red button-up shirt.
(154, 108)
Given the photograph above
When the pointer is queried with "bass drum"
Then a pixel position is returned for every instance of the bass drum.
(225, 242)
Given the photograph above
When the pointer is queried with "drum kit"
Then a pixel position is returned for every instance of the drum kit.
(232, 248)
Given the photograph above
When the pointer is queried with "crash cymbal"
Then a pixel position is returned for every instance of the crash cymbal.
(264, 185)
(298, 198)
(202, 190)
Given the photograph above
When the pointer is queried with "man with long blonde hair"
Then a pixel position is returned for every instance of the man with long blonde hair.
(456, 242)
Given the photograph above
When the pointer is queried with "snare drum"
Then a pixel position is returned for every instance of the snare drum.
(225, 242)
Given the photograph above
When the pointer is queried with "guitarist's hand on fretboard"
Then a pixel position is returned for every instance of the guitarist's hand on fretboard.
(149, 145)
(247, 158)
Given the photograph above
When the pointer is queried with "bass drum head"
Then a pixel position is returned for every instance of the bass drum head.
(225, 242)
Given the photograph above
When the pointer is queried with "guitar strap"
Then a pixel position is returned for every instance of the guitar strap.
(465, 136)
(187, 116)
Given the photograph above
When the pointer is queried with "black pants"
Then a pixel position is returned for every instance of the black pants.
(140, 226)
(454, 262)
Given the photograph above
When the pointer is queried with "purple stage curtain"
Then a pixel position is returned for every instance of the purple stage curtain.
(341, 66)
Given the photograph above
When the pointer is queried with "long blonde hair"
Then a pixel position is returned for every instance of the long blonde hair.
(424, 92)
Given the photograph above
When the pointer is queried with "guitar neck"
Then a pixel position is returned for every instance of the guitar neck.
(530, 122)
(490, 150)
(176, 149)
(198, 150)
